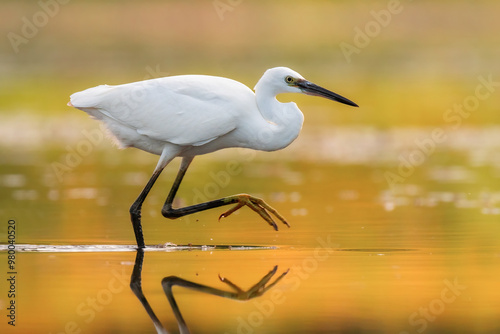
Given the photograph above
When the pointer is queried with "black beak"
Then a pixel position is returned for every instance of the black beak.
(309, 88)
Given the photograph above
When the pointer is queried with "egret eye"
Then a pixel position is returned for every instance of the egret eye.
(289, 79)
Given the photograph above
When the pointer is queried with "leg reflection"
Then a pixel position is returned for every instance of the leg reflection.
(136, 286)
(169, 282)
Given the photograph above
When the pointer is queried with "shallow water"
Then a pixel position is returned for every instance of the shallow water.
(361, 256)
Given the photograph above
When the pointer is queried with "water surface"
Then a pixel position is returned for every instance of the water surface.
(361, 255)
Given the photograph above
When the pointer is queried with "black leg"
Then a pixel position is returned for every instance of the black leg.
(254, 203)
(135, 209)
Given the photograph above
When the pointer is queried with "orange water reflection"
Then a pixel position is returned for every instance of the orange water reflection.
(363, 258)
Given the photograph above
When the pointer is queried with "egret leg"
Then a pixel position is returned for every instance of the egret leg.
(135, 209)
(241, 200)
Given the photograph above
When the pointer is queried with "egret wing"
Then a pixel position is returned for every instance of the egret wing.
(183, 110)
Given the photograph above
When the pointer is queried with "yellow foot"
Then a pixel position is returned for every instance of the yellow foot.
(257, 205)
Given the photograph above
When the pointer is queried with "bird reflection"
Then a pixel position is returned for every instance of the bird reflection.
(169, 282)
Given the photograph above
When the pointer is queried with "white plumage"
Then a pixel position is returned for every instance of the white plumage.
(186, 110)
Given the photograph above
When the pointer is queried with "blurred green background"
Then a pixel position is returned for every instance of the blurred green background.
(426, 57)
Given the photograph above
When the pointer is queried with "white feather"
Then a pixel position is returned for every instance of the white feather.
(182, 110)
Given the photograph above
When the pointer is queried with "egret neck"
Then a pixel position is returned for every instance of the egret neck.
(283, 120)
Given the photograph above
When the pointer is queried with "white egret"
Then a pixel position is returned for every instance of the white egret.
(189, 115)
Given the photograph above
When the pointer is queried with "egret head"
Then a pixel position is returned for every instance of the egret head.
(284, 80)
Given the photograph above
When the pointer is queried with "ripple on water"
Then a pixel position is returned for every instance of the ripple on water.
(168, 247)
